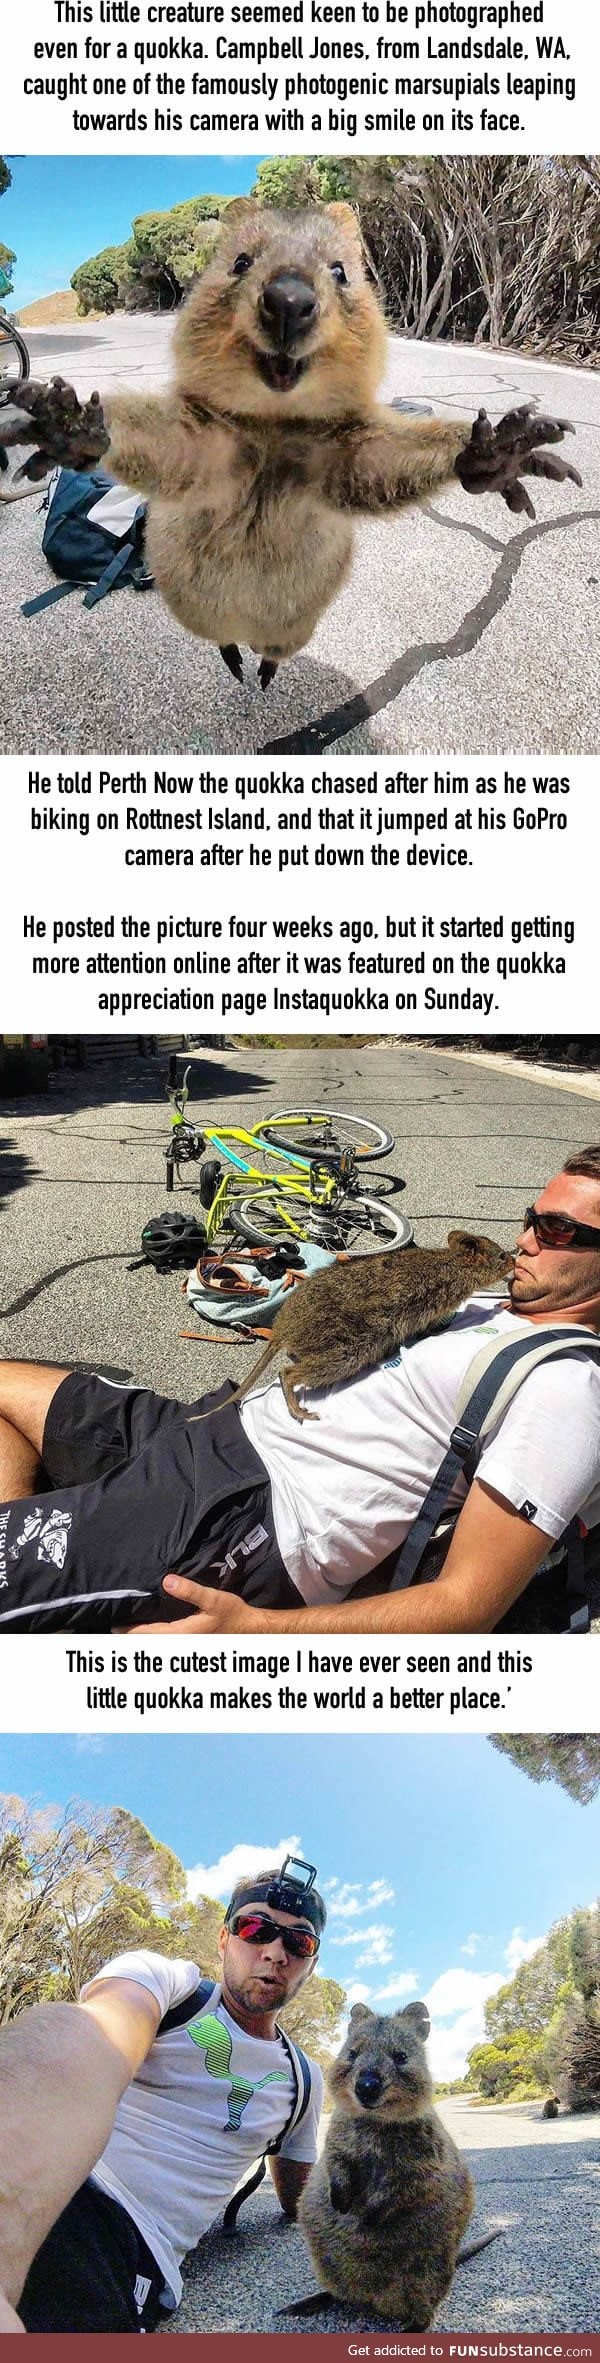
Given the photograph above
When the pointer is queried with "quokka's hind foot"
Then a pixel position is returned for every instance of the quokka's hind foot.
(232, 659)
(266, 672)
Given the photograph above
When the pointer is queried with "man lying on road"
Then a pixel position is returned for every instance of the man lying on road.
(264, 1524)
(128, 2119)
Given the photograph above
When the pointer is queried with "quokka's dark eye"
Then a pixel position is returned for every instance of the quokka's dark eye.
(243, 263)
(338, 272)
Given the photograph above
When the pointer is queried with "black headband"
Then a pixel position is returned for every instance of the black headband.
(284, 1895)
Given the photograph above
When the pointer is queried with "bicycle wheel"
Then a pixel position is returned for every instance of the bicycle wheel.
(306, 1130)
(14, 358)
(361, 1224)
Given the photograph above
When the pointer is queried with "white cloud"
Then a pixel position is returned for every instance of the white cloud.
(376, 1940)
(449, 2046)
(398, 1987)
(470, 1944)
(458, 1997)
(520, 1948)
(241, 1862)
(357, 1993)
(462, 1989)
(346, 1901)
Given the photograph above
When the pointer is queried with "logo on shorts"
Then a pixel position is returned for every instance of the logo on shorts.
(52, 1535)
(243, 1550)
(31, 1527)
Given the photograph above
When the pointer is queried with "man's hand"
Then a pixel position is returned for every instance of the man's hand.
(497, 457)
(215, 1612)
(69, 433)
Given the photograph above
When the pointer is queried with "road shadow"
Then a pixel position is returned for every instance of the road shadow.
(46, 1280)
(17, 1170)
(47, 340)
(129, 1079)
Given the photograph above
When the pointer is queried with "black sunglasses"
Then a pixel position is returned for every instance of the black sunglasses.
(255, 1929)
(560, 1230)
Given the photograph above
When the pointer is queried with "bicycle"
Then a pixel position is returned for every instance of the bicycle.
(15, 365)
(320, 1194)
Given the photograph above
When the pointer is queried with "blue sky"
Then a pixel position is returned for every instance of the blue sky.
(62, 209)
(442, 1865)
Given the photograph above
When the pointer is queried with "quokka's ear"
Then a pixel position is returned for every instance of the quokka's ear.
(418, 2014)
(359, 2010)
(347, 218)
(239, 209)
(464, 1239)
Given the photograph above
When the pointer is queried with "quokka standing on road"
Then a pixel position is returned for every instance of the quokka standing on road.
(387, 2202)
(271, 441)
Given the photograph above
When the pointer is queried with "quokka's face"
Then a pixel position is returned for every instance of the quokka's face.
(283, 322)
(485, 1253)
(382, 2070)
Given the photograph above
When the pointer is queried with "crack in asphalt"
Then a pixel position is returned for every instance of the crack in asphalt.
(477, 533)
(314, 737)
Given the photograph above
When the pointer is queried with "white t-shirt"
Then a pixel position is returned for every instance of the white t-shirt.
(347, 1486)
(202, 2108)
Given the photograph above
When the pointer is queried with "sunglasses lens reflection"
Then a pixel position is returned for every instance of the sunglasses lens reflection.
(254, 1930)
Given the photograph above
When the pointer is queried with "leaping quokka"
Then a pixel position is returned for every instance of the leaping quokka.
(270, 441)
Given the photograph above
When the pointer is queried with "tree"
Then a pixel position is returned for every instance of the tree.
(498, 2069)
(572, 1759)
(7, 258)
(154, 268)
(99, 282)
(529, 1999)
(61, 1878)
(78, 1887)
(290, 182)
(312, 2018)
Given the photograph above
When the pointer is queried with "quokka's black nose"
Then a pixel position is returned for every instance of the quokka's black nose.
(368, 2087)
(289, 307)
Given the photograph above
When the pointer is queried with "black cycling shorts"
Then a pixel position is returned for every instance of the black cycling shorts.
(93, 2272)
(137, 1488)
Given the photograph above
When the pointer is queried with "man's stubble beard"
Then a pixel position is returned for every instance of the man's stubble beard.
(250, 1994)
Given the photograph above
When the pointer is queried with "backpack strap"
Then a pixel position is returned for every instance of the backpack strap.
(200, 2000)
(111, 574)
(189, 2008)
(48, 598)
(490, 1382)
(301, 2070)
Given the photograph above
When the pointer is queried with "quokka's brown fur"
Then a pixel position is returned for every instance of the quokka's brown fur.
(385, 2207)
(346, 1320)
(270, 439)
(252, 488)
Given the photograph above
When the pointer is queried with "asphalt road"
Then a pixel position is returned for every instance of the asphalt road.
(460, 627)
(538, 2180)
(84, 1169)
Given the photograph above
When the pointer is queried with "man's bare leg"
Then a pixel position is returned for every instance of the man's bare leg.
(21, 1472)
(26, 1392)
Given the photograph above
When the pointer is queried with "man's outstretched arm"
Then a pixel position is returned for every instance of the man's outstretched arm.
(63, 2069)
(492, 1556)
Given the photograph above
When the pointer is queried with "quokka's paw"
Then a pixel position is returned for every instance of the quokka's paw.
(68, 433)
(496, 458)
